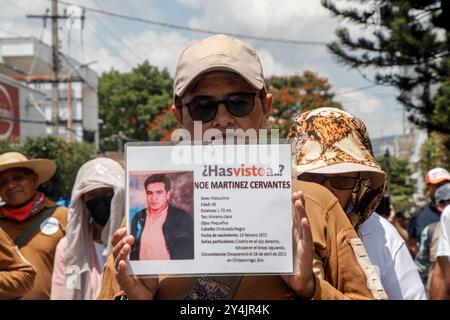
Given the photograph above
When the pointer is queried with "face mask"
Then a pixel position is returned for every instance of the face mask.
(100, 209)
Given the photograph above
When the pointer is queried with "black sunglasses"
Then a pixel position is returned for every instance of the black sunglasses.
(337, 182)
(204, 108)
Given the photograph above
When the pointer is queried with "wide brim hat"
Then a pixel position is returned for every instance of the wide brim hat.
(329, 141)
(44, 168)
(332, 141)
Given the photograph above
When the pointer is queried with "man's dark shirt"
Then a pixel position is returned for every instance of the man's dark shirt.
(427, 215)
(178, 230)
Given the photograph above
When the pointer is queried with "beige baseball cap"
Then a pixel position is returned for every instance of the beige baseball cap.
(217, 53)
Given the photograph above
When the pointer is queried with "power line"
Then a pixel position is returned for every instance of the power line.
(81, 45)
(113, 50)
(118, 39)
(357, 89)
(77, 72)
(33, 63)
(15, 6)
(370, 80)
(367, 99)
(26, 120)
(198, 30)
(11, 32)
(48, 123)
(119, 28)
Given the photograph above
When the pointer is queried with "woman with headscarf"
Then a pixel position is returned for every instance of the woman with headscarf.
(96, 211)
(332, 148)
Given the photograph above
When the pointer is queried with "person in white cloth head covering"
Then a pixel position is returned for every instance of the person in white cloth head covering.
(96, 211)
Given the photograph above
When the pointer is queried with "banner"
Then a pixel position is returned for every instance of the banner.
(209, 209)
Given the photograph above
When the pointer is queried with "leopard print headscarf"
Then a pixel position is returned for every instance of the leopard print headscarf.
(330, 141)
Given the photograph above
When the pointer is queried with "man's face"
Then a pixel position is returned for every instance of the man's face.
(343, 194)
(17, 186)
(433, 187)
(157, 196)
(105, 191)
(403, 222)
(442, 205)
(218, 86)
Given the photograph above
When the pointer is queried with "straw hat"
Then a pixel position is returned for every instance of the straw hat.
(44, 168)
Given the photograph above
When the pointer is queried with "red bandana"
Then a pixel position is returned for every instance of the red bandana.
(23, 212)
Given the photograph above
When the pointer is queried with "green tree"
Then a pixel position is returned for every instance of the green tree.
(295, 94)
(409, 50)
(435, 152)
(400, 187)
(68, 156)
(441, 101)
(130, 102)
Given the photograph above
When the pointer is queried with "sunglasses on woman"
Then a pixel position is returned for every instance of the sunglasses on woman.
(204, 108)
(337, 182)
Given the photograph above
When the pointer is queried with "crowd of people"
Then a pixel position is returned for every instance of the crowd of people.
(343, 249)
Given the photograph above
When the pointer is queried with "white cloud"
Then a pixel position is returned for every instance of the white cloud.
(379, 112)
(259, 17)
(14, 23)
(20, 8)
(270, 66)
(296, 20)
(190, 3)
(162, 49)
(359, 101)
(293, 19)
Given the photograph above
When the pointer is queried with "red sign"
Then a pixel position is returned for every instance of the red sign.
(9, 112)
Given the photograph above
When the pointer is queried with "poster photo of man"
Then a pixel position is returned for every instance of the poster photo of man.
(161, 215)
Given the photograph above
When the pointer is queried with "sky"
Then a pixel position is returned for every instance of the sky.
(111, 42)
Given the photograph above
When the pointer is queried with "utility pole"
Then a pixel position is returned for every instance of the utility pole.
(69, 110)
(55, 76)
(55, 68)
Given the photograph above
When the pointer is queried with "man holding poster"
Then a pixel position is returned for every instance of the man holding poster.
(219, 82)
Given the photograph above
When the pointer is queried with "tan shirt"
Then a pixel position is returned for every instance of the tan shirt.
(40, 249)
(16, 274)
(339, 275)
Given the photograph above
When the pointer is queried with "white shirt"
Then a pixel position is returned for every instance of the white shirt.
(443, 249)
(389, 255)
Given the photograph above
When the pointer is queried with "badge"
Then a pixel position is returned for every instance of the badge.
(50, 226)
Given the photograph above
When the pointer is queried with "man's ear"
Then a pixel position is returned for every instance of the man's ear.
(177, 113)
(267, 106)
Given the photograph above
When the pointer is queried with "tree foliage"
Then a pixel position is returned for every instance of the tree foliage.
(130, 105)
(69, 157)
(409, 49)
(435, 152)
(400, 187)
(295, 94)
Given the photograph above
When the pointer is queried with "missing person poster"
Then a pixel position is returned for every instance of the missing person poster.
(209, 209)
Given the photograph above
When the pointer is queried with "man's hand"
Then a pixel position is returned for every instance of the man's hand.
(302, 281)
(135, 288)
